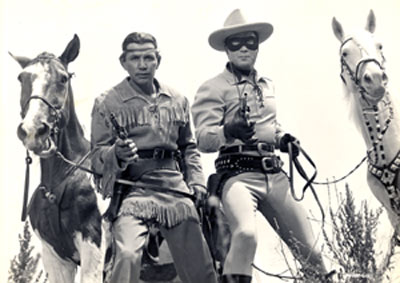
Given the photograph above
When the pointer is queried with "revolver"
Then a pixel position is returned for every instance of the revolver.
(118, 193)
(245, 113)
(121, 131)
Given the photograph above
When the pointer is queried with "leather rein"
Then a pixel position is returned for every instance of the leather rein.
(57, 113)
(355, 77)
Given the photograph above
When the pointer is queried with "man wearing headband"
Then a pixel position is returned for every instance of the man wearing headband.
(157, 160)
(235, 113)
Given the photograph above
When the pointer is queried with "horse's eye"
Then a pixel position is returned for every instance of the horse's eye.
(63, 79)
(380, 46)
(344, 54)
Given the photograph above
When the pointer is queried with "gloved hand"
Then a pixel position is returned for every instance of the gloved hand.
(200, 193)
(126, 150)
(285, 140)
(239, 128)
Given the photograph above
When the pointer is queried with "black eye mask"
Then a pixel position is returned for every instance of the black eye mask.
(235, 43)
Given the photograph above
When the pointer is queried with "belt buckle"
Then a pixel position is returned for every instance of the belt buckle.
(158, 153)
(271, 164)
(265, 166)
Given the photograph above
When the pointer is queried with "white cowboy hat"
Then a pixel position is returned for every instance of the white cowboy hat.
(236, 23)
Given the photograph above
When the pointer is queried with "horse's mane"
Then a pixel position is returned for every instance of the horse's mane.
(351, 94)
(44, 57)
(354, 111)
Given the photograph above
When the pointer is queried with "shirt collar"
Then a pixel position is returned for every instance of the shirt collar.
(130, 90)
(230, 77)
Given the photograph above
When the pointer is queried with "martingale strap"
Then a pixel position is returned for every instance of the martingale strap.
(387, 175)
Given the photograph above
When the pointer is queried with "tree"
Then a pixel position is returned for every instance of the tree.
(23, 266)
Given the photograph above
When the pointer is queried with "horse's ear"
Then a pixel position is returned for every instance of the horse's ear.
(371, 22)
(22, 61)
(71, 51)
(337, 29)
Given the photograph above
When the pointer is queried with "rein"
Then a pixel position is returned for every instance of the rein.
(303, 174)
(28, 161)
(56, 112)
(78, 165)
(387, 171)
(366, 157)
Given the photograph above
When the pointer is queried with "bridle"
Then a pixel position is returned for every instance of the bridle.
(386, 172)
(355, 76)
(57, 112)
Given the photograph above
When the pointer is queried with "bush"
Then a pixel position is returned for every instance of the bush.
(23, 266)
(352, 244)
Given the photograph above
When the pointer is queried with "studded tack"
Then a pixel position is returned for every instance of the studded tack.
(388, 172)
(395, 204)
(387, 176)
(47, 193)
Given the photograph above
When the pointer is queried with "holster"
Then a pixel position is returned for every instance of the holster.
(215, 227)
(115, 202)
(214, 184)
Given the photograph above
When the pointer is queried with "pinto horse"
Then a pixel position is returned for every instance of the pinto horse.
(63, 210)
(377, 117)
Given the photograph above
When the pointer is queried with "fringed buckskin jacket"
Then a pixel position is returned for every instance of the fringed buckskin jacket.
(160, 123)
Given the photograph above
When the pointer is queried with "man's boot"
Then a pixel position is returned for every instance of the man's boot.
(235, 278)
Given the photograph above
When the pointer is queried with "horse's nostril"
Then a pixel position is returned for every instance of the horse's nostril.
(21, 132)
(42, 130)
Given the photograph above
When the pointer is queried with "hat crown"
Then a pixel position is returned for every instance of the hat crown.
(236, 23)
(235, 18)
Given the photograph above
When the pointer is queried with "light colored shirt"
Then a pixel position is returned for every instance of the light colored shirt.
(217, 101)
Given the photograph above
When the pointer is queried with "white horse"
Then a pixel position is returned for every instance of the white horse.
(375, 113)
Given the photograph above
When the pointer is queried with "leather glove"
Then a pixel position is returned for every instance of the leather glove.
(239, 128)
(126, 150)
(285, 140)
(200, 193)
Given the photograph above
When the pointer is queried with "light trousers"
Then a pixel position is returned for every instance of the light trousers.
(246, 193)
(188, 248)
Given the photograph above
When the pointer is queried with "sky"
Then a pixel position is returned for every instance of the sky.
(301, 57)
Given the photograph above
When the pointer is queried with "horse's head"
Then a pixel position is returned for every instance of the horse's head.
(45, 95)
(362, 61)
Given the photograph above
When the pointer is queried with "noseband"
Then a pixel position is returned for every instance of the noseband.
(355, 76)
(55, 111)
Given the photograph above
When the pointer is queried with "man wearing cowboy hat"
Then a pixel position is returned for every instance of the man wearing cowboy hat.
(235, 113)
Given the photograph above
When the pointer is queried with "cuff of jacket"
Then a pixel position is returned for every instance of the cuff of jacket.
(194, 184)
(278, 140)
(112, 168)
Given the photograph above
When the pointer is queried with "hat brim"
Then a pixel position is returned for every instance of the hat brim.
(217, 38)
